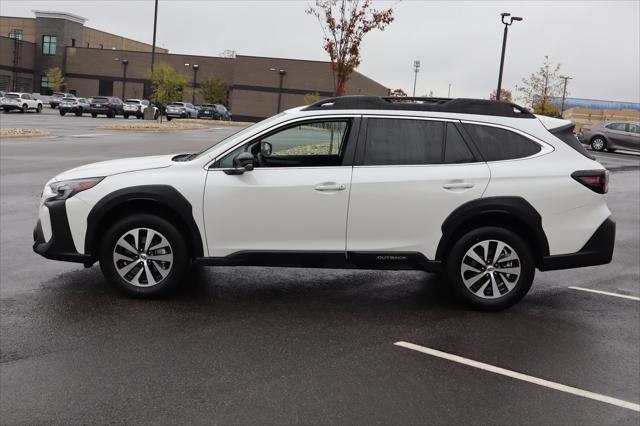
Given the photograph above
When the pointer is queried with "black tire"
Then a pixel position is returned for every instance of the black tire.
(62, 112)
(6, 110)
(94, 115)
(179, 250)
(480, 299)
(24, 108)
(79, 112)
(169, 118)
(39, 108)
(126, 115)
(598, 143)
(111, 114)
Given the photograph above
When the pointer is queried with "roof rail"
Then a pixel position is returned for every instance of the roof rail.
(458, 105)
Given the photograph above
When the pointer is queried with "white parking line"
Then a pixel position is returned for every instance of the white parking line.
(520, 376)
(606, 293)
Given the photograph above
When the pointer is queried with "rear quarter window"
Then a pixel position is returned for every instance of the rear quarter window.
(497, 144)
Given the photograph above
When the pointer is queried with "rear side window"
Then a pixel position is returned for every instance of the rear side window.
(497, 144)
(401, 142)
(456, 150)
(621, 127)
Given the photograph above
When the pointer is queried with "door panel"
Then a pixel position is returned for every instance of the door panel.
(401, 208)
(273, 209)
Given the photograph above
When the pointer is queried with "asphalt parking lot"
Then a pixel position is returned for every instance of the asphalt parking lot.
(271, 345)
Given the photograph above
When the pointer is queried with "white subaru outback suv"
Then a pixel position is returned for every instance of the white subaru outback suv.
(482, 191)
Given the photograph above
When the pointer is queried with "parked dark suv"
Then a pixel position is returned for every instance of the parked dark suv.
(107, 105)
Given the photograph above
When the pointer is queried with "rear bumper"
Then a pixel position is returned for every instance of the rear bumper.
(11, 106)
(597, 251)
(60, 246)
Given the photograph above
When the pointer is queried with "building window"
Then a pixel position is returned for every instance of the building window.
(49, 45)
(73, 42)
(44, 85)
(105, 88)
(15, 34)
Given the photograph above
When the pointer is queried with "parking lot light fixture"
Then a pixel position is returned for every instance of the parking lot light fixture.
(195, 78)
(416, 68)
(507, 20)
(282, 72)
(125, 63)
(564, 93)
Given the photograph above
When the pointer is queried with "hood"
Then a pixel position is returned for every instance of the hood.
(112, 167)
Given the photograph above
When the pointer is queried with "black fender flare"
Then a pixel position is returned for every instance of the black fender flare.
(165, 195)
(516, 208)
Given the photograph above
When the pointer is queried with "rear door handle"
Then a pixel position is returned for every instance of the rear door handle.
(458, 185)
(330, 186)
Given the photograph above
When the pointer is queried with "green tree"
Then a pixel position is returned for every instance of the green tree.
(311, 98)
(536, 90)
(56, 79)
(344, 24)
(214, 90)
(166, 85)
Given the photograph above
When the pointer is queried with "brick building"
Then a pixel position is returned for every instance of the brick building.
(93, 63)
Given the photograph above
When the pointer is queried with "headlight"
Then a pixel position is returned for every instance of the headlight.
(68, 188)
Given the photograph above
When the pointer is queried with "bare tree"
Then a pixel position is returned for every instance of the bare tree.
(540, 86)
(398, 93)
(505, 95)
(344, 24)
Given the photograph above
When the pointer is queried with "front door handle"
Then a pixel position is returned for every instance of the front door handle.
(330, 186)
(458, 185)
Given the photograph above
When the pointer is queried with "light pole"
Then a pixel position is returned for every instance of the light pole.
(153, 46)
(449, 92)
(124, 62)
(194, 83)
(507, 20)
(416, 68)
(564, 93)
(282, 72)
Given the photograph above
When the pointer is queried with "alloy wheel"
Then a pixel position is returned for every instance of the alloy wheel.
(597, 144)
(490, 269)
(143, 257)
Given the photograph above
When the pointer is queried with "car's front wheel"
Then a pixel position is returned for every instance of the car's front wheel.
(598, 143)
(24, 108)
(39, 108)
(144, 255)
(490, 268)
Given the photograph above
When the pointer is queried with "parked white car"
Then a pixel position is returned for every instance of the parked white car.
(482, 191)
(20, 101)
(136, 107)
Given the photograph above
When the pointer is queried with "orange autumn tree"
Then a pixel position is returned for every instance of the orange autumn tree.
(344, 24)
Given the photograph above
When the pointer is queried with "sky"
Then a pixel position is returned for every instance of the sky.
(457, 42)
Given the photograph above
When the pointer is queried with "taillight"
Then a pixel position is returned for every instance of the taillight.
(595, 180)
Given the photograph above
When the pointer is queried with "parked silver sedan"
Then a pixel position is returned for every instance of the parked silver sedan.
(612, 135)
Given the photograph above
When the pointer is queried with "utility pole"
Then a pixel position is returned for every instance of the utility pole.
(416, 68)
(125, 62)
(449, 92)
(507, 20)
(282, 72)
(564, 93)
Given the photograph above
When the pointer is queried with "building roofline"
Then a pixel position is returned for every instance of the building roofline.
(17, 17)
(59, 15)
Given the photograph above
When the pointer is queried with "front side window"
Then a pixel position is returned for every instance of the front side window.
(303, 145)
(456, 150)
(49, 45)
(403, 142)
(621, 127)
(496, 144)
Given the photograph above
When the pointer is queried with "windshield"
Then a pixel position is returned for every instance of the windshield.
(11, 95)
(100, 99)
(180, 104)
(242, 132)
(69, 99)
(130, 101)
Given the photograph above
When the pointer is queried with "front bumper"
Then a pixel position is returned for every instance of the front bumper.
(597, 251)
(60, 246)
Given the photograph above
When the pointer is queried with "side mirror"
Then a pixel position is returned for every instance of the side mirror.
(242, 162)
(266, 149)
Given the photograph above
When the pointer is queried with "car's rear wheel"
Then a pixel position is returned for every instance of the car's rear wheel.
(169, 118)
(126, 115)
(24, 108)
(62, 112)
(490, 268)
(79, 112)
(144, 255)
(39, 108)
(598, 143)
(94, 115)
